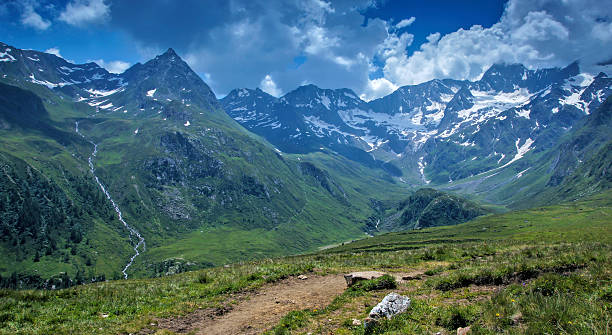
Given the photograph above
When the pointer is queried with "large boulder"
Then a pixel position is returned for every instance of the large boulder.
(390, 306)
(355, 277)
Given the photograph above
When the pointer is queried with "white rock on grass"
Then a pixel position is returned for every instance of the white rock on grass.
(390, 306)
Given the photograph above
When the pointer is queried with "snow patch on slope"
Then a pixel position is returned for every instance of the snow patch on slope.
(520, 150)
(9, 57)
(421, 164)
(47, 83)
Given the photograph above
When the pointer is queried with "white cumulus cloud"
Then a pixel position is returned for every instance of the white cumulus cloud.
(54, 51)
(319, 40)
(269, 86)
(115, 66)
(377, 88)
(536, 33)
(405, 23)
(81, 12)
(32, 19)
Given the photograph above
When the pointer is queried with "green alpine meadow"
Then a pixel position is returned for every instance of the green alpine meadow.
(305, 167)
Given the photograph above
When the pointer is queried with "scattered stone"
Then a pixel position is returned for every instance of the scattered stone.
(464, 331)
(104, 316)
(368, 324)
(356, 322)
(355, 277)
(302, 277)
(390, 306)
(517, 318)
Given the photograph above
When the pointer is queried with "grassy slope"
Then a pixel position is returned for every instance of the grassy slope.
(570, 222)
(219, 244)
(562, 253)
(108, 247)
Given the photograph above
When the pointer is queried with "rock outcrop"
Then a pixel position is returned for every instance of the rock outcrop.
(355, 277)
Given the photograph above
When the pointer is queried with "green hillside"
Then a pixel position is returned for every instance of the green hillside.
(550, 264)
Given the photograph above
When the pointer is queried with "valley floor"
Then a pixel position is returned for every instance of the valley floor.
(544, 270)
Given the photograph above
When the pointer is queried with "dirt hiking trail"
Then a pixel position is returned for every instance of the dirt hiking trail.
(257, 311)
(254, 312)
(267, 306)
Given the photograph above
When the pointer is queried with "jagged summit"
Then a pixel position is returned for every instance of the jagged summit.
(503, 69)
(169, 56)
(169, 53)
(145, 88)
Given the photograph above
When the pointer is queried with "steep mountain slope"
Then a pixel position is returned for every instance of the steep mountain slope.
(198, 187)
(54, 218)
(577, 166)
(581, 164)
(41, 68)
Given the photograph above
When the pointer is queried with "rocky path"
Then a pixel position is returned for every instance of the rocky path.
(266, 307)
(258, 311)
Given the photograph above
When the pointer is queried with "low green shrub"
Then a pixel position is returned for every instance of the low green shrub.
(456, 316)
(380, 283)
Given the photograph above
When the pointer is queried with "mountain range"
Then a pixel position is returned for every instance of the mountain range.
(438, 132)
(100, 168)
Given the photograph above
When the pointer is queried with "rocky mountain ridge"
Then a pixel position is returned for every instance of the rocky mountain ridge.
(439, 131)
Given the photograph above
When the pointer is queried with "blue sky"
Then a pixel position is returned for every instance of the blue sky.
(372, 47)
(443, 16)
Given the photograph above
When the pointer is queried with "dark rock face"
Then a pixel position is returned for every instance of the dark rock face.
(172, 79)
(323, 178)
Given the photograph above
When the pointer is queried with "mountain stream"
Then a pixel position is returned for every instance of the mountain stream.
(132, 230)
